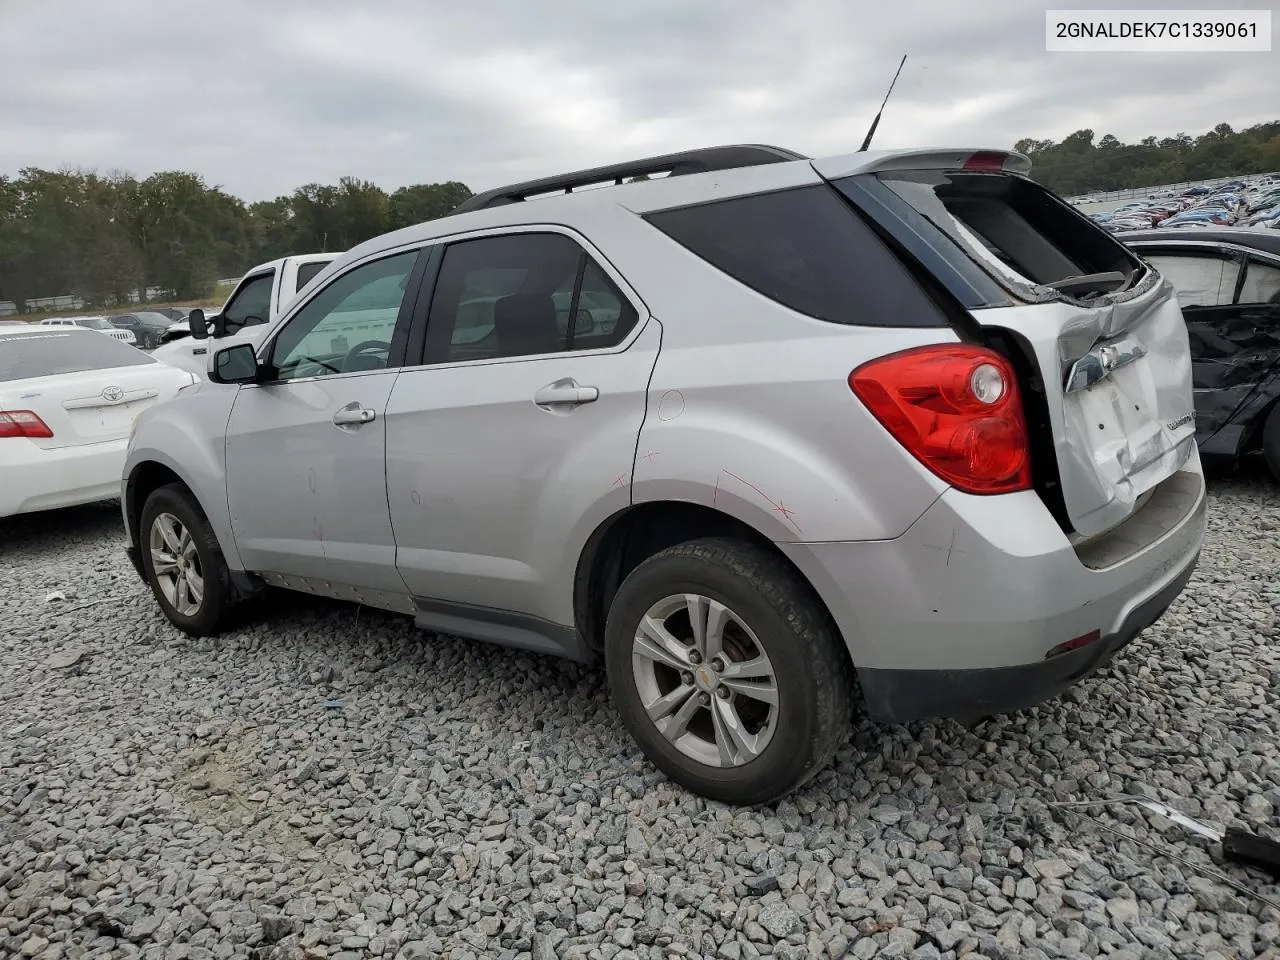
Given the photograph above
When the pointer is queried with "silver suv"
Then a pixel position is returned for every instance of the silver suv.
(774, 436)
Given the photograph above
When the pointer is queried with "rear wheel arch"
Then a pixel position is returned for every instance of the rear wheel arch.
(629, 537)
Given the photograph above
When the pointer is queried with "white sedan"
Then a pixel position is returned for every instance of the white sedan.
(68, 399)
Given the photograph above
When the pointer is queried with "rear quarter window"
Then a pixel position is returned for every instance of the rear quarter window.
(53, 352)
(807, 249)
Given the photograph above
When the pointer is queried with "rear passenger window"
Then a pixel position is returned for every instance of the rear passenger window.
(522, 295)
(806, 249)
(1198, 281)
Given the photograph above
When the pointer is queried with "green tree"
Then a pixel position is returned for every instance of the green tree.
(425, 201)
(172, 227)
(1078, 165)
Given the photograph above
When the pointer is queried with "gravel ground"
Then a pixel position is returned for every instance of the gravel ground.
(331, 783)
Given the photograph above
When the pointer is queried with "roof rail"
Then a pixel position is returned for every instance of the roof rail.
(673, 164)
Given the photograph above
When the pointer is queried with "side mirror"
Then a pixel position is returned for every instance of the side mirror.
(197, 324)
(237, 364)
(219, 324)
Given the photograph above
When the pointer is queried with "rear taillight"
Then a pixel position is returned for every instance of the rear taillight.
(956, 409)
(23, 423)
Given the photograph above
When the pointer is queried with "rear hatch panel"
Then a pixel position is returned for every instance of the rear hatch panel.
(1105, 332)
(1119, 435)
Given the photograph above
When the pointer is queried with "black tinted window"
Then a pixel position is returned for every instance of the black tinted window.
(804, 248)
(515, 296)
(251, 303)
(51, 352)
(306, 272)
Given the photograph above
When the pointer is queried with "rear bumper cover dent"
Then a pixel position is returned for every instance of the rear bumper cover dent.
(900, 696)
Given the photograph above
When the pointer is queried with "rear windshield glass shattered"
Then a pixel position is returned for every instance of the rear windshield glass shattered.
(1019, 232)
(48, 354)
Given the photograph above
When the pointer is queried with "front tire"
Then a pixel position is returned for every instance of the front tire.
(727, 670)
(184, 564)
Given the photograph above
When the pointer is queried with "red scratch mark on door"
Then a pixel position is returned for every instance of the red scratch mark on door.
(620, 480)
(650, 455)
(778, 506)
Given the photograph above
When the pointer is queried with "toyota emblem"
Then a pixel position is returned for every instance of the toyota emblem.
(112, 394)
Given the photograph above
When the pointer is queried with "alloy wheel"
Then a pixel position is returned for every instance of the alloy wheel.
(705, 680)
(176, 564)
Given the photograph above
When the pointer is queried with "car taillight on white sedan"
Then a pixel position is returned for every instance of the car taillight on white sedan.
(23, 423)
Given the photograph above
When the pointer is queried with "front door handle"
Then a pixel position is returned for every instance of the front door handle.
(565, 392)
(353, 414)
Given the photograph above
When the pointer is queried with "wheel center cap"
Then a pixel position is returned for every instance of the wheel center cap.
(706, 678)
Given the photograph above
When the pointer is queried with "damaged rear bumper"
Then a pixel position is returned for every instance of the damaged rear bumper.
(985, 605)
(899, 696)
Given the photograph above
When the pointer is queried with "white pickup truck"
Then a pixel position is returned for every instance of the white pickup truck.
(261, 295)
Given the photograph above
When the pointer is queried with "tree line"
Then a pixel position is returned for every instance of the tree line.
(109, 237)
(1077, 165)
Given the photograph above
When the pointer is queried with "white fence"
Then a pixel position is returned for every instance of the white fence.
(45, 304)
(66, 302)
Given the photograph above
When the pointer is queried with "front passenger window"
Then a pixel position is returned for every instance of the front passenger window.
(347, 326)
(251, 304)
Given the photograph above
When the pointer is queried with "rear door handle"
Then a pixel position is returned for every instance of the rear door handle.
(353, 414)
(565, 392)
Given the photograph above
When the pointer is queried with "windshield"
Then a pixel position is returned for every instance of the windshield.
(94, 323)
(50, 352)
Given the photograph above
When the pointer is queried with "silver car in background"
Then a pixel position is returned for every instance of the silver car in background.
(773, 436)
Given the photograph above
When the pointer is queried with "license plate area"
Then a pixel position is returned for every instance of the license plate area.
(1121, 419)
(108, 421)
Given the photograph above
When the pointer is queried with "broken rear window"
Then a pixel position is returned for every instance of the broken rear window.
(1018, 231)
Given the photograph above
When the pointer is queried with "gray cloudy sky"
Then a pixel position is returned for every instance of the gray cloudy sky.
(261, 96)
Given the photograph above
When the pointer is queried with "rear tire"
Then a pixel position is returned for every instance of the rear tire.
(1271, 441)
(184, 564)
(748, 718)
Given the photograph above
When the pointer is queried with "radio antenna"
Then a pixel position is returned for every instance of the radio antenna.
(866, 143)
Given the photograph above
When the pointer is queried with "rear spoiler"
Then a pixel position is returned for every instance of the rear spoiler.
(882, 161)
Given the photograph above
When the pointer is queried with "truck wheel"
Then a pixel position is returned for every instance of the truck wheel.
(727, 670)
(184, 564)
(1271, 441)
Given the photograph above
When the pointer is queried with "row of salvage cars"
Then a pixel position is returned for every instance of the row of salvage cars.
(1253, 203)
(69, 396)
